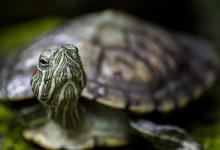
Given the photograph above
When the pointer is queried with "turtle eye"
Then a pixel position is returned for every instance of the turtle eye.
(43, 62)
(45, 59)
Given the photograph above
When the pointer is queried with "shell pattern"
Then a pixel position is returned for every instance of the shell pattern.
(130, 64)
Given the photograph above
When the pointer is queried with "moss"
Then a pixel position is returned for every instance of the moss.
(207, 130)
(10, 132)
(13, 144)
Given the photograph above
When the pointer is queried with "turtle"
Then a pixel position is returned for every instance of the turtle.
(100, 74)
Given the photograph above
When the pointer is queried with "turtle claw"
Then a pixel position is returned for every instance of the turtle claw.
(165, 137)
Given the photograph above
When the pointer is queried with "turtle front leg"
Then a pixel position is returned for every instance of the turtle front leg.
(51, 136)
(165, 137)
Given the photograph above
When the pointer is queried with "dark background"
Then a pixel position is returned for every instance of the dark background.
(179, 15)
(192, 16)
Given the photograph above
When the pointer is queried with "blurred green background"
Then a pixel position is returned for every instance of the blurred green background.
(26, 20)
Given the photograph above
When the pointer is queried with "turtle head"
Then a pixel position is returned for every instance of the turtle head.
(59, 76)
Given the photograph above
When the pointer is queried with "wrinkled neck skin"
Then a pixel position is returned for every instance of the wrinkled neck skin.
(69, 117)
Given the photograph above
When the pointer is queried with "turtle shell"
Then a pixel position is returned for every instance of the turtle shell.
(130, 64)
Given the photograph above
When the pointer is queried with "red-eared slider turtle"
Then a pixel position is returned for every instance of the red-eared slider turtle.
(128, 67)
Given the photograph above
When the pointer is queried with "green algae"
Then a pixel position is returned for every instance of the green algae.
(207, 129)
(11, 132)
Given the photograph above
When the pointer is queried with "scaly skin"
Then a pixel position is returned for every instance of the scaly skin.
(58, 83)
